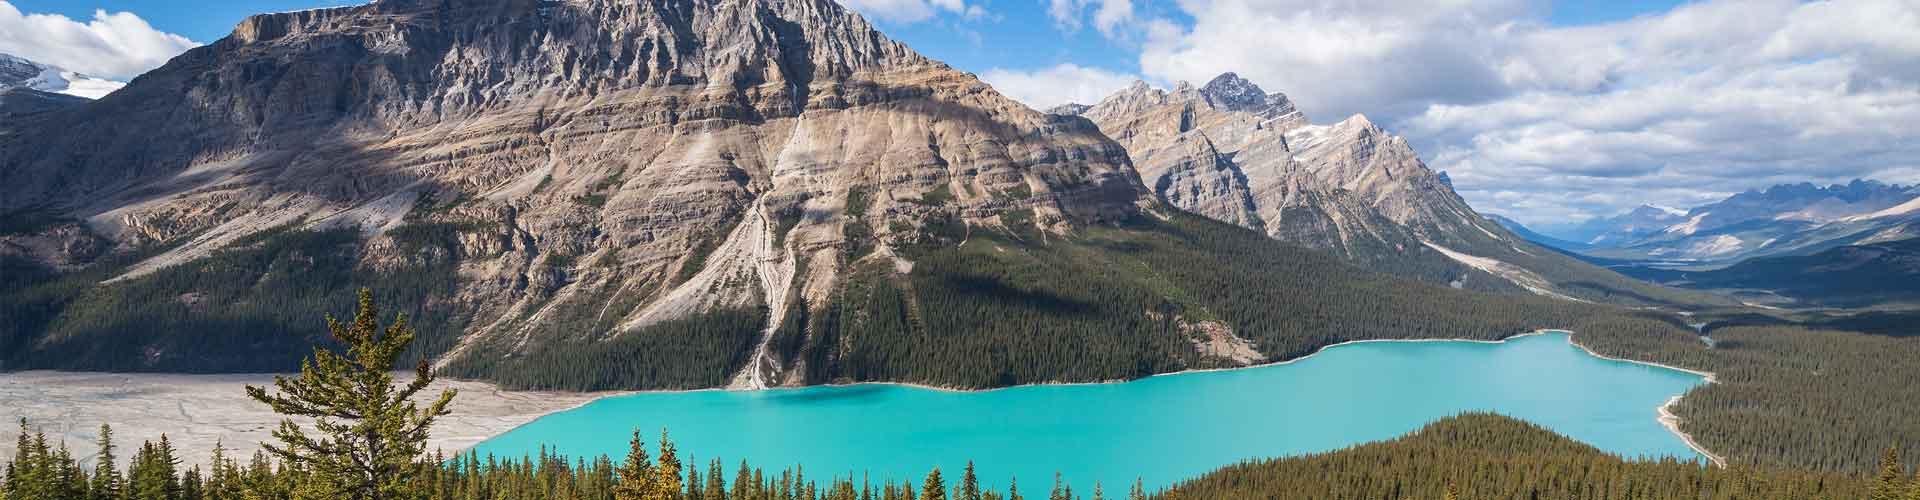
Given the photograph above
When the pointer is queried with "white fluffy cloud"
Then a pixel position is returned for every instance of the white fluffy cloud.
(1109, 16)
(1061, 84)
(913, 11)
(111, 45)
(1547, 123)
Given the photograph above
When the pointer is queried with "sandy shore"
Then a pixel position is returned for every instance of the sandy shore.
(198, 411)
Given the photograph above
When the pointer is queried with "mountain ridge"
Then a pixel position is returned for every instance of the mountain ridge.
(1235, 153)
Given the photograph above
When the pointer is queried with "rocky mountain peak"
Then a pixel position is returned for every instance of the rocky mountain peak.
(1232, 93)
(18, 72)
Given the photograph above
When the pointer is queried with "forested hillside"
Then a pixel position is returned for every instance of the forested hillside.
(1480, 456)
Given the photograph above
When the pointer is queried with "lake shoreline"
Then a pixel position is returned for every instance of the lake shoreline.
(1663, 413)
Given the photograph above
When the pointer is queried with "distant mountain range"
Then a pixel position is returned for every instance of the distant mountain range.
(1788, 219)
(1845, 276)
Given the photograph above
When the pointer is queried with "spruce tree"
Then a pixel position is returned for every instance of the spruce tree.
(1013, 489)
(934, 488)
(1138, 492)
(370, 432)
(695, 491)
(190, 485)
(716, 481)
(1913, 487)
(667, 472)
(106, 472)
(969, 484)
(1098, 494)
(1886, 485)
(636, 473)
(743, 483)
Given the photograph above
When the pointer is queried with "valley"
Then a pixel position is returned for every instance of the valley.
(786, 238)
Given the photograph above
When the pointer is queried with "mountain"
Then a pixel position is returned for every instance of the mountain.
(1631, 225)
(1232, 152)
(1788, 219)
(596, 194)
(1522, 231)
(1844, 276)
(16, 72)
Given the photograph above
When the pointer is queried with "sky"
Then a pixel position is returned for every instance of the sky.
(1545, 111)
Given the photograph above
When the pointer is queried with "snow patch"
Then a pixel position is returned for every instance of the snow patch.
(1910, 207)
(1719, 245)
(1689, 227)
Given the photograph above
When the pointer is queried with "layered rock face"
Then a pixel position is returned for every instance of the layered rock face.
(645, 159)
(1233, 152)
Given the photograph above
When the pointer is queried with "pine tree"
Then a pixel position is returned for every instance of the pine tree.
(190, 485)
(106, 472)
(667, 473)
(743, 482)
(1098, 494)
(969, 484)
(371, 431)
(636, 473)
(1886, 485)
(716, 481)
(934, 488)
(1013, 489)
(695, 491)
(1913, 487)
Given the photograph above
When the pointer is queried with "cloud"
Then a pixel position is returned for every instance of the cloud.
(913, 11)
(1109, 16)
(112, 45)
(1546, 123)
(1061, 84)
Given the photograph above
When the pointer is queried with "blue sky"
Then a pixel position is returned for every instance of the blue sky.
(1543, 111)
(1016, 34)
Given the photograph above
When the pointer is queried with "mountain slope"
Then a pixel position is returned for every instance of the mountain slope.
(1845, 276)
(1232, 152)
(1528, 234)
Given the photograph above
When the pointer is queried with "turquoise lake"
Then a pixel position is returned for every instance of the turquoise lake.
(1160, 429)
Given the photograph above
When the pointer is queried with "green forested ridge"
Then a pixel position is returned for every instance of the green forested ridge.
(1483, 456)
(686, 353)
(1479, 456)
(1117, 302)
(1786, 395)
(247, 308)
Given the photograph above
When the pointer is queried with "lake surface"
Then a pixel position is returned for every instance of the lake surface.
(1160, 429)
